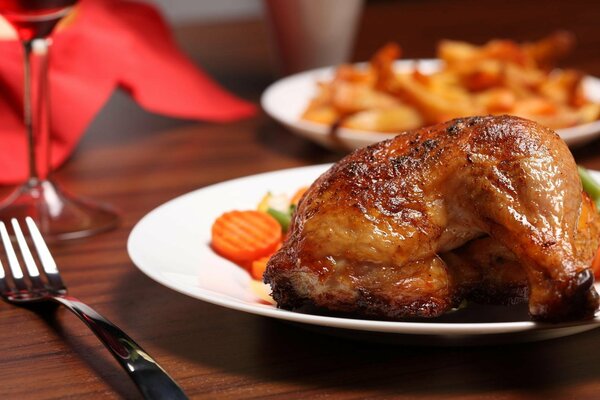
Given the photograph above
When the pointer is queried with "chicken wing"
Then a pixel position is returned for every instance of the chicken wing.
(403, 228)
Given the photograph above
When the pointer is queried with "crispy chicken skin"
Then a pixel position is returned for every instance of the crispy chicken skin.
(484, 208)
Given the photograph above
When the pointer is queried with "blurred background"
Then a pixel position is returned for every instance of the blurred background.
(180, 11)
(217, 35)
(417, 25)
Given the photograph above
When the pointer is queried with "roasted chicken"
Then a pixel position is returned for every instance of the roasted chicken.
(484, 209)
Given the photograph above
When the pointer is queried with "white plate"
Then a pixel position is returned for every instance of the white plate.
(286, 100)
(171, 246)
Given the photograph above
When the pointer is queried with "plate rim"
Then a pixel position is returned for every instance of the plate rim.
(396, 327)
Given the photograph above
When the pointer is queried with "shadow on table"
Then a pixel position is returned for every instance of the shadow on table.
(271, 351)
(281, 140)
(59, 319)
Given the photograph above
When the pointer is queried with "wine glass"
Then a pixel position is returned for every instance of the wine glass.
(59, 214)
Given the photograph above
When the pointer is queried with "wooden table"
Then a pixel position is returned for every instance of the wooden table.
(136, 161)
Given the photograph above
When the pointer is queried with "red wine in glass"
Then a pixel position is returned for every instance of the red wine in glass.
(34, 18)
(59, 214)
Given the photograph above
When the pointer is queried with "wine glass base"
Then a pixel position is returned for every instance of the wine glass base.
(58, 215)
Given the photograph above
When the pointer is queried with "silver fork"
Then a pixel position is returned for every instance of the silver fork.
(152, 381)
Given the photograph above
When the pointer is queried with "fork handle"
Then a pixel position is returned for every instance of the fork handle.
(150, 378)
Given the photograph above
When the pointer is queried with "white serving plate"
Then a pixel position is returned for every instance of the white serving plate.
(171, 245)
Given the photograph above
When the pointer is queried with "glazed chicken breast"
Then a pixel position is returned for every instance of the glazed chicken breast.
(484, 208)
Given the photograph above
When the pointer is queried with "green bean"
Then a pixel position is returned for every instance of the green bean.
(283, 218)
(591, 187)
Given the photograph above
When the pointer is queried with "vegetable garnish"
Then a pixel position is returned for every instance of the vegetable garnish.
(245, 236)
(258, 267)
(280, 207)
(298, 195)
(284, 218)
(249, 238)
(590, 186)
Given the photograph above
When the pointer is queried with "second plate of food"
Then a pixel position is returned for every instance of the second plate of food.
(287, 99)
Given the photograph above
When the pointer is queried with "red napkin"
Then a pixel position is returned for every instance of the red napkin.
(111, 43)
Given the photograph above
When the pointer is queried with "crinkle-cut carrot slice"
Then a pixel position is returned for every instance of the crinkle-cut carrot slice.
(244, 236)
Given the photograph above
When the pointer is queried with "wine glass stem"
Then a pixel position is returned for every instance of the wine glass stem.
(36, 107)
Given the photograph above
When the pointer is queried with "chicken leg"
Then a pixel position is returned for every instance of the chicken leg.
(371, 235)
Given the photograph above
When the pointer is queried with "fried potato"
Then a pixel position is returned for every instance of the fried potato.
(435, 106)
(548, 51)
(499, 77)
(396, 119)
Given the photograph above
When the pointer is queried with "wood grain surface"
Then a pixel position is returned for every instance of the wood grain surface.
(136, 161)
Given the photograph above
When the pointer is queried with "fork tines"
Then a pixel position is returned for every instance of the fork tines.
(25, 255)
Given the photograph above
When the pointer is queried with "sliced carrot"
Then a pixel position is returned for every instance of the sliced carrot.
(258, 268)
(244, 236)
(596, 265)
(298, 195)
